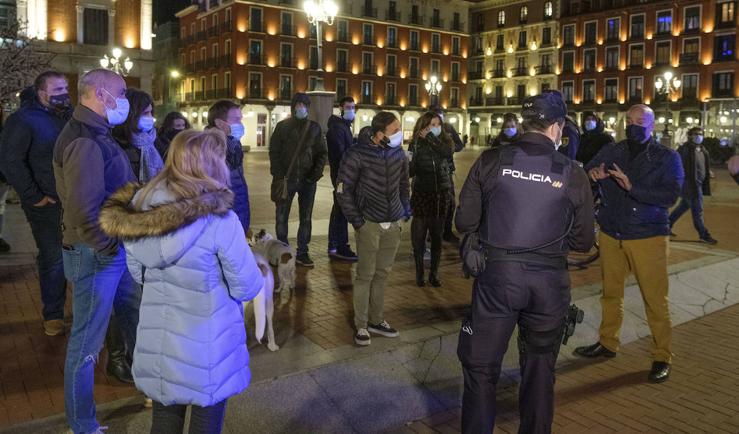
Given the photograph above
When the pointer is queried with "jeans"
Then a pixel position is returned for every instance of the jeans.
(695, 205)
(338, 228)
(4, 188)
(101, 283)
(46, 226)
(306, 192)
(170, 419)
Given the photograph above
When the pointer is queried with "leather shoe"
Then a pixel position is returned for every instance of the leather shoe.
(595, 350)
(660, 372)
(119, 369)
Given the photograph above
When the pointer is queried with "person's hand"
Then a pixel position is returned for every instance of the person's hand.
(424, 131)
(598, 173)
(45, 201)
(733, 165)
(620, 177)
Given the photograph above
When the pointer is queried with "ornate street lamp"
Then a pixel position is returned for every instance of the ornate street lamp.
(667, 84)
(320, 11)
(433, 87)
(115, 64)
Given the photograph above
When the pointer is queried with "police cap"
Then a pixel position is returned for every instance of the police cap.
(548, 106)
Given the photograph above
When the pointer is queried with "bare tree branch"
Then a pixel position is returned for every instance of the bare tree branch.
(20, 60)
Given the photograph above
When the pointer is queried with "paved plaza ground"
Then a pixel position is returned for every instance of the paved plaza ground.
(320, 382)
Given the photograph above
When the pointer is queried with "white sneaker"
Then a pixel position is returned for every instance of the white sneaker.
(362, 337)
(383, 329)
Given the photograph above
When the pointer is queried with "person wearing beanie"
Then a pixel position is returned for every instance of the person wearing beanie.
(297, 156)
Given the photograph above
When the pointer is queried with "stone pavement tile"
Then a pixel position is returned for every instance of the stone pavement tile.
(387, 389)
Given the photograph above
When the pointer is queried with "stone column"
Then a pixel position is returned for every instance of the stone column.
(111, 27)
(80, 23)
(321, 107)
(146, 24)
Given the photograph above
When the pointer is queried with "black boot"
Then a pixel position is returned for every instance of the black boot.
(419, 269)
(435, 261)
(118, 365)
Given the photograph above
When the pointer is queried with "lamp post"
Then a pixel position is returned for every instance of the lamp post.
(320, 11)
(116, 64)
(433, 87)
(665, 86)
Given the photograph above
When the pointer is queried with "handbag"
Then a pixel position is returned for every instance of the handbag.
(279, 190)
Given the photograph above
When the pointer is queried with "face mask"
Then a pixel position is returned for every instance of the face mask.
(436, 131)
(509, 132)
(301, 113)
(117, 115)
(395, 140)
(589, 125)
(348, 115)
(60, 102)
(698, 140)
(146, 123)
(636, 133)
(237, 131)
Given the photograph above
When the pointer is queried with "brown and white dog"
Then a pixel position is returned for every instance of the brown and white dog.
(278, 254)
(264, 306)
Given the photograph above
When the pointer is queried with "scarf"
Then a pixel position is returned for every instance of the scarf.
(151, 161)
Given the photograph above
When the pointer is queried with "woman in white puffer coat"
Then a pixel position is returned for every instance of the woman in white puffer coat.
(188, 249)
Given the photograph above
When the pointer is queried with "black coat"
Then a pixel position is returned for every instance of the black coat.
(286, 140)
(339, 138)
(690, 186)
(373, 183)
(429, 166)
(26, 150)
(591, 142)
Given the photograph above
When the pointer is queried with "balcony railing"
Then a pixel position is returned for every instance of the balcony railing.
(342, 67)
(369, 69)
(689, 59)
(457, 26)
(224, 92)
(287, 62)
(391, 71)
(455, 78)
(286, 94)
(255, 92)
(413, 101)
(454, 103)
(519, 72)
(634, 99)
(286, 30)
(477, 51)
(494, 100)
(210, 94)
(369, 12)
(544, 69)
(437, 23)
(391, 100)
(189, 96)
(392, 44)
(474, 75)
(414, 73)
(343, 37)
(256, 27)
(612, 38)
(226, 60)
(499, 73)
(476, 101)
(368, 40)
(590, 42)
(256, 60)
(436, 49)
(416, 19)
(366, 99)
(392, 15)
(228, 26)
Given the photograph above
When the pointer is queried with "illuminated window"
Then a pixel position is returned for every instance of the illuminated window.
(612, 57)
(663, 49)
(723, 85)
(589, 60)
(588, 90)
(636, 88)
(548, 10)
(95, 27)
(724, 47)
(524, 14)
(636, 55)
(568, 35)
(664, 22)
(692, 18)
(255, 85)
(637, 26)
(613, 29)
(726, 13)
(611, 90)
(501, 18)
(367, 92)
(690, 86)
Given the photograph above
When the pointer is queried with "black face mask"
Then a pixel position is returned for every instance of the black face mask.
(171, 134)
(60, 102)
(636, 133)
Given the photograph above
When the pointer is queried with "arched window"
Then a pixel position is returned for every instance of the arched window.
(524, 14)
(548, 10)
(501, 18)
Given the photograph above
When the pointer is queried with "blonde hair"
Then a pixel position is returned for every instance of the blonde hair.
(196, 164)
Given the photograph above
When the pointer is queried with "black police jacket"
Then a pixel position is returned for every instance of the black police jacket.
(529, 199)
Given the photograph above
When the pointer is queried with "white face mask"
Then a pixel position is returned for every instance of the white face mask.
(237, 131)
(146, 123)
(119, 113)
(348, 115)
(395, 140)
(301, 113)
(697, 140)
(436, 131)
(590, 125)
(509, 132)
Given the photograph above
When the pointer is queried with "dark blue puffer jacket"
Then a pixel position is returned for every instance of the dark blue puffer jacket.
(656, 176)
(235, 161)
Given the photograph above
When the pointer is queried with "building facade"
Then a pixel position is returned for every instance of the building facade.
(166, 78)
(79, 33)
(379, 52)
(513, 55)
(612, 52)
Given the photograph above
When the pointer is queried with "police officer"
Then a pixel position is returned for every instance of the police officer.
(530, 206)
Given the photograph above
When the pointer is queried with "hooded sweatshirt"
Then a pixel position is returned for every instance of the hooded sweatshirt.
(196, 268)
(591, 142)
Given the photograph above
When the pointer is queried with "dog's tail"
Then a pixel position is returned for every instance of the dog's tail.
(260, 301)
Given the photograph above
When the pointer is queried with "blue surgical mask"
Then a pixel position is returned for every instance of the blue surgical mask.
(436, 131)
(697, 140)
(146, 123)
(590, 125)
(348, 115)
(119, 113)
(510, 132)
(237, 131)
(301, 113)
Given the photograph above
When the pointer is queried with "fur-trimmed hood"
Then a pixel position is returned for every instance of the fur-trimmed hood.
(165, 228)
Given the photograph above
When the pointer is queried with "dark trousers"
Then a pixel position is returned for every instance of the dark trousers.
(306, 192)
(338, 228)
(695, 205)
(433, 227)
(46, 226)
(506, 294)
(170, 419)
(449, 222)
